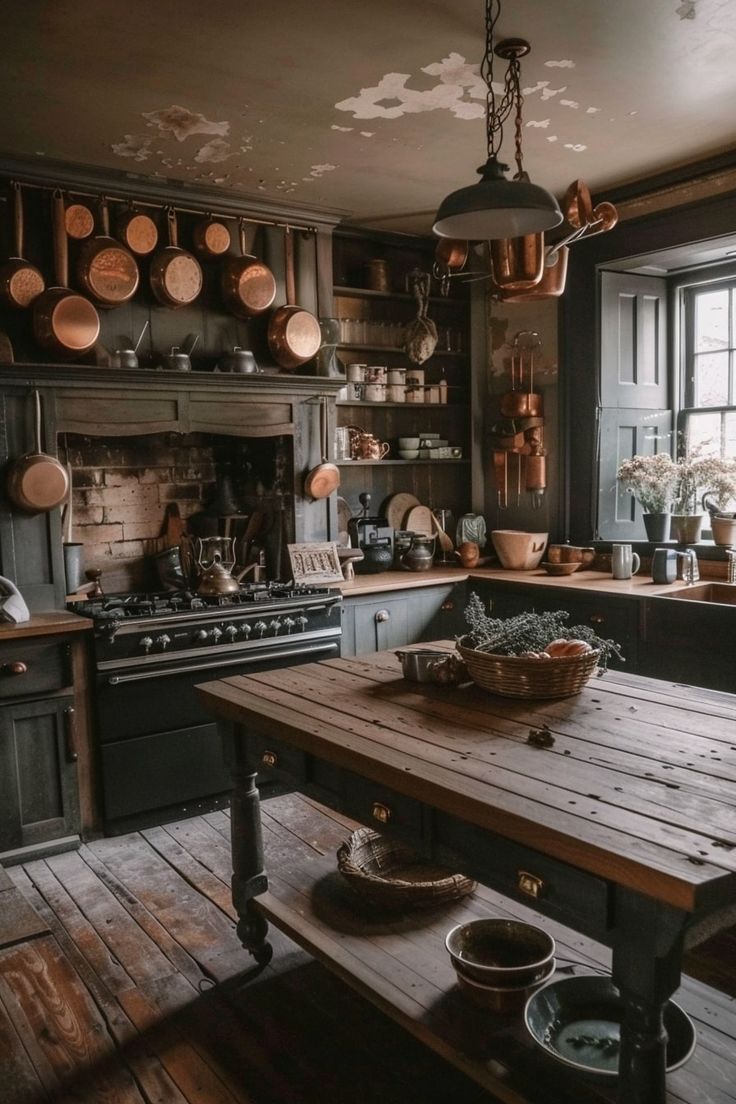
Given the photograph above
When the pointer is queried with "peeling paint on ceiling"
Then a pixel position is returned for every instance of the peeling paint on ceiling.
(182, 123)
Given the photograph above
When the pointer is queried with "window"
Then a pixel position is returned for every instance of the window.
(708, 416)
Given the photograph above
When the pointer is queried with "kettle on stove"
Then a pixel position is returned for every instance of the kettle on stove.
(215, 561)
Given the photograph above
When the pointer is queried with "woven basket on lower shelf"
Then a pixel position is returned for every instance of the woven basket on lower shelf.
(390, 875)
(525, 677)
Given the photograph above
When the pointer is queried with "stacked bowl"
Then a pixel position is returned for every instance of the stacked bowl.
(499, 962)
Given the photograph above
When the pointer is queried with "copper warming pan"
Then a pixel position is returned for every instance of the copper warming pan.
(294, 335)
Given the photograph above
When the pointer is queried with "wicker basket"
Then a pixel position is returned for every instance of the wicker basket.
(524, 677)
(392, 877)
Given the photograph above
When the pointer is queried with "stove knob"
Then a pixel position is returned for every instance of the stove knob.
(260, 627)
(302, 622)
(274, 626)
(215, 635)
(163, 641)
(231, 632)
(246, 629)
(201, 636)
(289, 623)
(146, 643)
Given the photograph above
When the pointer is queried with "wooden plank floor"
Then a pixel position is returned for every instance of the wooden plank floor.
(130, 988)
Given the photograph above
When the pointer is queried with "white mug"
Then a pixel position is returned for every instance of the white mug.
(624, 562)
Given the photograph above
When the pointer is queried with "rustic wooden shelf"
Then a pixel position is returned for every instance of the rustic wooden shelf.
(384, 463)
(402, 296)
(396, 349)
(403, 405)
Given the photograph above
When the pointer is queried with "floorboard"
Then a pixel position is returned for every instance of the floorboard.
(123, 982)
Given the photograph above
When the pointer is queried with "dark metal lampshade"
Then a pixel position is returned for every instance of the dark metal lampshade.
(496, 208)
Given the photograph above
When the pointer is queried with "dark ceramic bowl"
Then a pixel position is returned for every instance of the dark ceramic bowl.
(500, 952)
(504, 999)
(577, 1021)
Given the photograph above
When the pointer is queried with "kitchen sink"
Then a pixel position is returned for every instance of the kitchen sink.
(720, 593)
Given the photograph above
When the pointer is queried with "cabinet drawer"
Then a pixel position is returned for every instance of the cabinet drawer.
(32, 667)
(274, 760)
(381, 807)
(564, 892)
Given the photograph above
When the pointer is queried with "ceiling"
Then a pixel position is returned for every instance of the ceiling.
(373, 110)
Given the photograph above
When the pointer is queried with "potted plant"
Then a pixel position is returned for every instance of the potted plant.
(720, 477)
(653, 481)
(700, 477)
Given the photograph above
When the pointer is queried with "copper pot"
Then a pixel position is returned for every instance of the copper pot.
(451, 253)
(577, 206)
(105, 268)
(552, 284)
(20, 282)
(137, 231)
(79, 222)
(211, 238)
(294, 334)
(248, 285)
(521, 404)
(37, 482)
(63, 321)
(517, 264)
(176, 276)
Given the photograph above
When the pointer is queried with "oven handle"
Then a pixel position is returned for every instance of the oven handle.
(309, 649)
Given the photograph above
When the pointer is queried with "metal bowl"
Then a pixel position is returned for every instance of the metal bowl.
(577, 1021)
(417, 665)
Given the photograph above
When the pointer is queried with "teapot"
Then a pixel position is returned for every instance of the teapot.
(420, 554)
(216, 579)
(367, 447)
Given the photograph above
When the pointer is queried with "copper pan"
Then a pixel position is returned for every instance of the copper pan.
(517, 264)
(105, 268)
(577, 206)
(325, 478)
(211, 238)
(176, 276)
(79, 222)
(552, 284)
(63, 321)
(248, 285)
(451, 253)
(36, 482)
(294, 335)
(20, 282)
(137, 231)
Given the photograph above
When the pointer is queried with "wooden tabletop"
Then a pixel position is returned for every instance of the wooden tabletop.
(638, 786)
(53, 623)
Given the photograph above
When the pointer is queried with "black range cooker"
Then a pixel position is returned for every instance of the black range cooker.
(159, 752)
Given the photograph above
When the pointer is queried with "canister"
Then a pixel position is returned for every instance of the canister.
(415, 377)
(396, 392)
(414, 394)
(355, 373)
(375, 373)
(375, 392)
(396, 376)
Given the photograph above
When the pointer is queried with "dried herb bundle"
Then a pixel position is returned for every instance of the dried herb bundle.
(528, 632)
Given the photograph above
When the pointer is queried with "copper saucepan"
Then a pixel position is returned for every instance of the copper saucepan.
(63, 321)
(325, 478)
(176, 276)
(20, 282)
(211, 238)
(105, 268)
(248, 285)
(552, 284)
(137, 231)
(451, 253)
(79, 222)
(37, 482)
(294, 335)
(517, 264)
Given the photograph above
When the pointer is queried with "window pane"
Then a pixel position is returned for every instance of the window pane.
(711, 321)
(704, 433)
(711, 379)
(730, 434)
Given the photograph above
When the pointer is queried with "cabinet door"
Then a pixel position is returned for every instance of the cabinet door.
(38, 774)
(438, 612)
(382, 623)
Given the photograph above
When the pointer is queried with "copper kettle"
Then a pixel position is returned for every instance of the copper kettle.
(216, 579)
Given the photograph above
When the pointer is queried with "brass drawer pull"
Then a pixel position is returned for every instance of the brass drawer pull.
(597, 619)
(18, 667)
(381, 813)
(270, 759)
(70, 734)
(530, 884)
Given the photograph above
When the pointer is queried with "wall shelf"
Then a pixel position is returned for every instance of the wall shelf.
(401, 296)
(397, 463)
(397, 349)
(403, 405)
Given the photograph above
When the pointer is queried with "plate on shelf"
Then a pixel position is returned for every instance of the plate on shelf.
(419, 520)
(397, 506)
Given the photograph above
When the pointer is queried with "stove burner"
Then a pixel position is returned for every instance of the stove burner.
(118, 607)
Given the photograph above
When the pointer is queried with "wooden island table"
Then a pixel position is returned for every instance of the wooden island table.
(624, 830)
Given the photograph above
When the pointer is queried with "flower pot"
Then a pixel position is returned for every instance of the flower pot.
(657, 527)
(685, 528)
(724, 531)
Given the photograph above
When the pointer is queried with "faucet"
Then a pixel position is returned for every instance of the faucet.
(690, 573)
(731, 554)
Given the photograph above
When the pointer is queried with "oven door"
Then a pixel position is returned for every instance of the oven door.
(161, 754)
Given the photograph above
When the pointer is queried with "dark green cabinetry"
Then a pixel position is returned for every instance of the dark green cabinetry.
(391, 619)
(690, 642)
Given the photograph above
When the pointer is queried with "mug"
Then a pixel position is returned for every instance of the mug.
(664, 565)
(624, 562)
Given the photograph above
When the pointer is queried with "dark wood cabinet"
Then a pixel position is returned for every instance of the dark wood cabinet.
(392, 619)
(690, 642)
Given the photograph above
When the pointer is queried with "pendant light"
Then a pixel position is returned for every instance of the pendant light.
(497, 207)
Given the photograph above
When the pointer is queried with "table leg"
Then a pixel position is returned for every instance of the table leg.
(647, 954)
(249, 877)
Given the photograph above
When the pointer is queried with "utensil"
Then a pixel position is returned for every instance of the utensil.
(248, 285)
(419, 520)
(63, 321)
(37, 482)
(106, 269)
(128, 358)
(294, 335)
(176, 360)
(211, 238)
(325, 478)
(137, 231)
(79, 222)
(417, 664)
(446, 545)
(20, 282)
(176, 276)
(240, 361)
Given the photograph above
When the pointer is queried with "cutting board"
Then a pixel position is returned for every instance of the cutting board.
(419, 520)
(397, 506)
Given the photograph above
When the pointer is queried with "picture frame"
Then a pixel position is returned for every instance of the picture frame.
(315, 563)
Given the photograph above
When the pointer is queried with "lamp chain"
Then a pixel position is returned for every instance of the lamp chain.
(498, 110)
(513, 81)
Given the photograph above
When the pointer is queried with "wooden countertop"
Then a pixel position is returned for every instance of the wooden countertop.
(53, 623)
(596, 582)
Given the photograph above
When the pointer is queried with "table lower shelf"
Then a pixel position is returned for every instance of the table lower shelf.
(402, 967)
